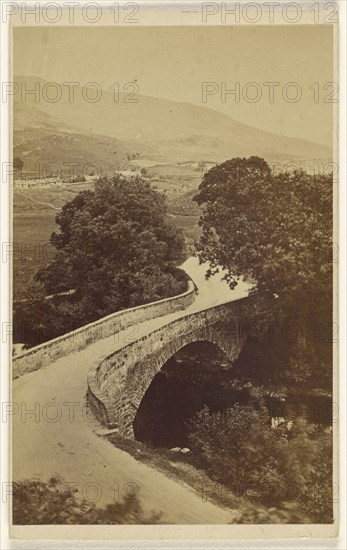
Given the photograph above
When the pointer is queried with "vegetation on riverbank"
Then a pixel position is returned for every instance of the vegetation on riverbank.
(300, 493)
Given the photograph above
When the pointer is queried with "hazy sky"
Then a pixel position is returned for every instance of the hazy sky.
(173, 62)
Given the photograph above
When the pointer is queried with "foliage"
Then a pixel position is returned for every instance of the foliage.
(115, 249)
(273, 361)
(18, 164)
(276, 230)
(34, 316)
(40, 503)
(229, 455)
(239, 449)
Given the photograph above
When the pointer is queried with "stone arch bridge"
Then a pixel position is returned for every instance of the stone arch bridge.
(117, 384)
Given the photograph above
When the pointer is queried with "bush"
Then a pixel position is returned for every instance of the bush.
(39, 503)
(276, 467)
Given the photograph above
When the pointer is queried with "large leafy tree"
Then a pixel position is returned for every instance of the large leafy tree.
(275, 230)
(115, 249)
(111, 241)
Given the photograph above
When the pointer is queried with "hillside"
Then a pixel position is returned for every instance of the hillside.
(45, 148)
(170, 130)
(41, 139)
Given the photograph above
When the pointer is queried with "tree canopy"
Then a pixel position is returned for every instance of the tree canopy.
(275, 230)
(115, 249)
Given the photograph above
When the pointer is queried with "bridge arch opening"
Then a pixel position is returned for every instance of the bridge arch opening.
(198, 374)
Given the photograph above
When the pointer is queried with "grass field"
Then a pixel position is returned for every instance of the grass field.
(31, 246)
(34, 213)
(185, 222)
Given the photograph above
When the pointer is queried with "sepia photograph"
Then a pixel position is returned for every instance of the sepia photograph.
(173, 260)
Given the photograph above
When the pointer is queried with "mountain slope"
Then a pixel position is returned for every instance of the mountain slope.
(47, 144)
(179, 131)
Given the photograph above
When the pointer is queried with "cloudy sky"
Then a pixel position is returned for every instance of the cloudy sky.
(172, 62)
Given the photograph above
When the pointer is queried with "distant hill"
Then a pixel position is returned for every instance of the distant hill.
(170, 130)
(42, 148)
(41, 139)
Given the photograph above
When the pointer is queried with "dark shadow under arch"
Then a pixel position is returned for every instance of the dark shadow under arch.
(198, 374)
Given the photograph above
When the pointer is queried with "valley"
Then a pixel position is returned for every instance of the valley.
(109, 133)
(170, 144)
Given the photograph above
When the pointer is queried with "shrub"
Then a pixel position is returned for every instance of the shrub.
(39, 503)
(238, 448)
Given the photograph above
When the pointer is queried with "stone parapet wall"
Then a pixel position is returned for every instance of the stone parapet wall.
(44, 354)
